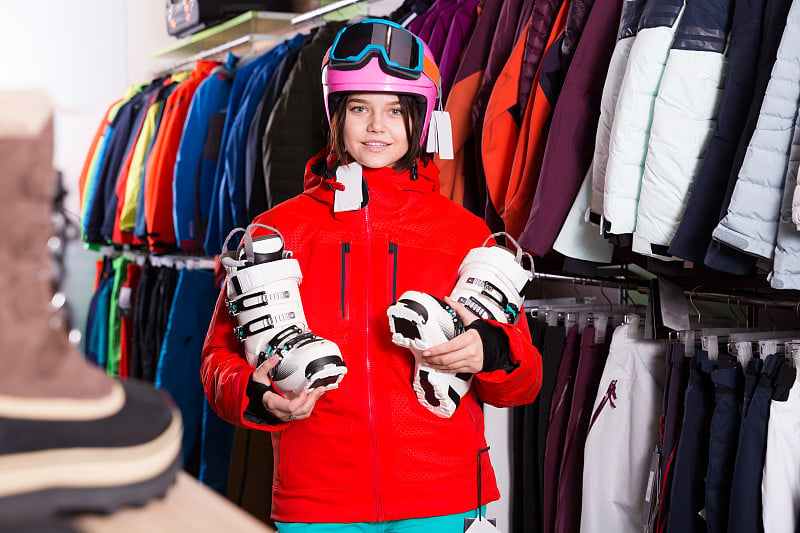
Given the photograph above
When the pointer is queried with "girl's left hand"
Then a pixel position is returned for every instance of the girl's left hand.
(463, 353)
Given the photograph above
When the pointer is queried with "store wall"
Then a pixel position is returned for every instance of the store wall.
(84, 54)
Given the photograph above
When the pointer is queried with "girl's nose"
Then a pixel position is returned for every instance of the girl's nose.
(375, 123)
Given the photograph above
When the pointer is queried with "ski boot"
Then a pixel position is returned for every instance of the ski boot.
(263, 296)
(491, 283)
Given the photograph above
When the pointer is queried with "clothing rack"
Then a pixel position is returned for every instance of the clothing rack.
(738, 296)
(192, 262)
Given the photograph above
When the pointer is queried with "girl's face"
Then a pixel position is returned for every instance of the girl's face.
(375, 129)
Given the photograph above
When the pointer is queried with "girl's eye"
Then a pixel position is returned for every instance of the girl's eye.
(357, 109)
(397, 111)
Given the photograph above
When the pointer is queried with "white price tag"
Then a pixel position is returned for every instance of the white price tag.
(444, 134)
(481, 525)
(351, 198)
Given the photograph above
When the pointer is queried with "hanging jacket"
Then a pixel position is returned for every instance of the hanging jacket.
(577, 19)
(197, 157)
(684, 117)
(298, 126)
(772, 21)
(160, 167)
(630, 132)
(460, 25)
(501, 129)
(751, 222)
(570, 141)
(541, 25)
(629, 24)
(502, 42)
(127, 215)
(90, 164)
(786, 270)
(104, 182)
(370, 452)
(693, 235)
(255, 185)
(460, 100)
(232, 158)
(532, 138)
(578, 238)
(220, 215)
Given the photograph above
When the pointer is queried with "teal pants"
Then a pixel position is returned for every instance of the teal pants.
(453, 523)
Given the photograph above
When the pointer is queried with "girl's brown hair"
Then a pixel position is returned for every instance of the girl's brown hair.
(410, 109)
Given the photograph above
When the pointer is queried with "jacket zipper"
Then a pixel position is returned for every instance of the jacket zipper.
(345, 285)
(392, 269)
(370, 394)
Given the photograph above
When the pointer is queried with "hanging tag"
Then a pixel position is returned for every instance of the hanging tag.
(432, 144)
(600, 325)
(444, 134)
(125, 301)
(351, 197)
(480, 525)
(652, 497)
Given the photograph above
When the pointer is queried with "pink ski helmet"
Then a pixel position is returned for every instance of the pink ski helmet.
(376, 55)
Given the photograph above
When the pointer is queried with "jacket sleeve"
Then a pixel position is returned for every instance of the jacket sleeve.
(226, 373)
(520, 386)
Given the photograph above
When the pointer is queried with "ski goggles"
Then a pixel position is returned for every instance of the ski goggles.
(399, 51)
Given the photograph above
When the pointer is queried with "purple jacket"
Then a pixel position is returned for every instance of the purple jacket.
(570, 142)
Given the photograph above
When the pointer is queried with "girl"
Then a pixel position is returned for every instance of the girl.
(367, 453)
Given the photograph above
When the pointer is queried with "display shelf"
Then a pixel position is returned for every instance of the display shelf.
(249, 27)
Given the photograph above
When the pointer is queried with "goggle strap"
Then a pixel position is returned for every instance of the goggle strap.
(430, 69)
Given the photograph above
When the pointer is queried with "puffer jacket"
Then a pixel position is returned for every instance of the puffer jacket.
(370, 451)
(751, 222)
(629, 23)
(786, 268)
(630, 132)
(684, 118)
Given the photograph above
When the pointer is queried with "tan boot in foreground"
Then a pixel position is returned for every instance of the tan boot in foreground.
(71, 439)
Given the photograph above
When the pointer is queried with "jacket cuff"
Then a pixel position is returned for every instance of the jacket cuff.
(495, 347)
(255, 411)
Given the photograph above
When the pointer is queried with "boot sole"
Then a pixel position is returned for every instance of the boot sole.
(325, 372)
(96, 465)
(414, 328)
(79, 499)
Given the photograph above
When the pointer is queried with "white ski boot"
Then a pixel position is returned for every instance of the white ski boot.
(263, 296)
(491, 283)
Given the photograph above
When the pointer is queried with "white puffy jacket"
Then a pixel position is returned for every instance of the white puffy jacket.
(786, 269)
(751, 222)
(608, 102)
(633, 116)
(578, 238)
(684, 119)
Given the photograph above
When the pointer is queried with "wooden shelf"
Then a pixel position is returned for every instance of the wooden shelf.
(188, 506)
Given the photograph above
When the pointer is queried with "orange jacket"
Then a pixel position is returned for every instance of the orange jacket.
(530, 146)
(370, 451)
(161, 162)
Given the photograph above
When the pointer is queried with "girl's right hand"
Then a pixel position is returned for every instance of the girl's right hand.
(297, 408)
(285, 409)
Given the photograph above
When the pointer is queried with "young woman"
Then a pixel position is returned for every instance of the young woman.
(367, 453)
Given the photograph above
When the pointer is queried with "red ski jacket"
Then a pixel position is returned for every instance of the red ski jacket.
(370, 451)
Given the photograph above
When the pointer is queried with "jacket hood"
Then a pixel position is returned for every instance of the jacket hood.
(321, 173)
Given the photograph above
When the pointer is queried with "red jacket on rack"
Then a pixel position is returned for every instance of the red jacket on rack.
(370, 451)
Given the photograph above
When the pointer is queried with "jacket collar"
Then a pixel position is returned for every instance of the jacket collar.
(320, 176)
